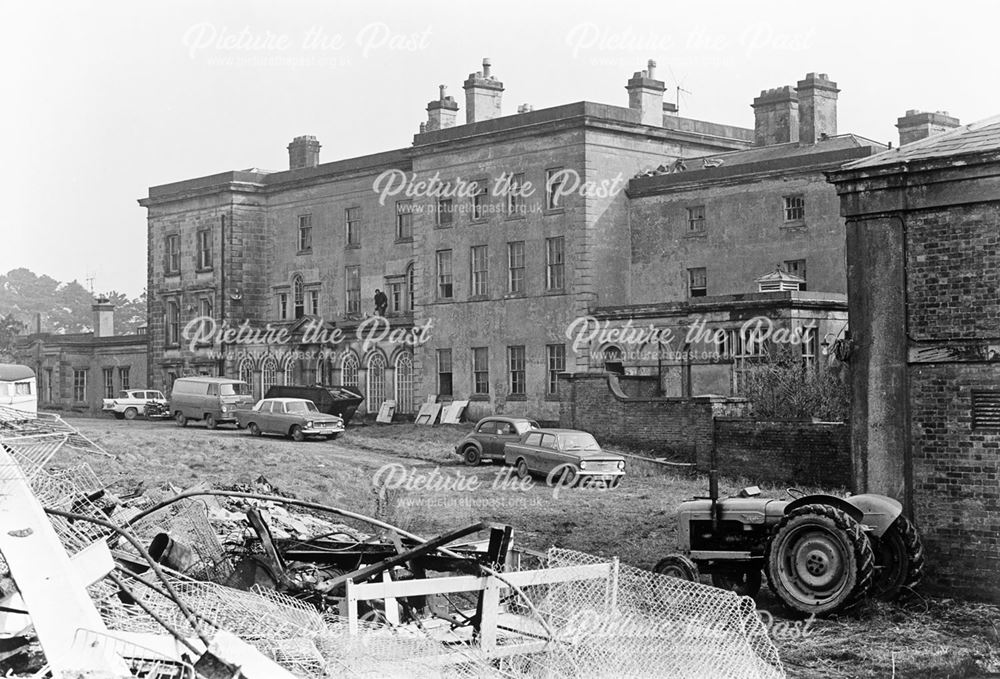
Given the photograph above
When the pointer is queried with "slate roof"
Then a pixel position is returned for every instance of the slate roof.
(978, 137)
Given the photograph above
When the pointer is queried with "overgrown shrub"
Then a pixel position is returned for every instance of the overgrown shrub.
(781, 387)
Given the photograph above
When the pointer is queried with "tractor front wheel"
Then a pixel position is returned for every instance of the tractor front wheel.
(819, 560)
(899, 560)
(677, 566)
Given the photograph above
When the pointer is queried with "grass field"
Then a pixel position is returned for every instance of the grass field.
(926, 637)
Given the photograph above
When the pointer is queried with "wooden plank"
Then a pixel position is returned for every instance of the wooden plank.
(391, 607)
(385, 412)
(53, 592)
(488, 621)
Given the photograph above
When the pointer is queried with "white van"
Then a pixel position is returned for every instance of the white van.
(18, 389)
(212, 399)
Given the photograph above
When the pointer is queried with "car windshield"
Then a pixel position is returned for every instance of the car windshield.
(300, 407)
(234, 389)
(581, 441)
(525, 426)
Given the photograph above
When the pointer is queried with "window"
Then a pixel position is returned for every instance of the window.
(480, 197)
(305, 233)
(514, 189)
(697, 282)
(404, 219)
(314, 302)
(172, 265)
(245, 370)
(349, 370)
(352, 233)
(173, 323)
(556, 360)
(205, 307)
(404, 383)
(480, 370)
(396, 296)
(376, 382)
(409, 286)
(554, 180)
(515, 370)
(205, 249)
(533, 440)
(445, 211)
(810, 344)
(515, 267)
(109, 382)
(268, 374)
(554, 263)
(444, 278)
(123, 378)
(795, 208)
(985, 409)
(797, 267)
(79, 384)
(444, 384)
(696, 219)
(479, 273)
(298, 297)
(352, 275)
(282, 305)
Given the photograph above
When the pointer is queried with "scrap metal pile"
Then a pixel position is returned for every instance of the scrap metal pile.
(223, 583)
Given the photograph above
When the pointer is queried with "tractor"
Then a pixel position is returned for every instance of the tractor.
(821, 553)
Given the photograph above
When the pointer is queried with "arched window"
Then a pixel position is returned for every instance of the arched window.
(298, 297)
(376, 382)
(286, 372)
(404, 383)
(246, 370)
(349, 370)
(408, 304)
(268, 374)
(612, 356)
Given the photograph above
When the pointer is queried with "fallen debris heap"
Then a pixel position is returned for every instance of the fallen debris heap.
(224, 583)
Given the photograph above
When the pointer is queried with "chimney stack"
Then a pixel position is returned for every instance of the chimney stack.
(645, 94)
(483, 93)
(441, 113)
(104, 317)
(776, 116)
(917, 125)
(303, 152)
(817, 108)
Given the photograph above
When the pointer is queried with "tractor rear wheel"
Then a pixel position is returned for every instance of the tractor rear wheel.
(819, 560)
(677, 566)
(899, 560)
(745, 582)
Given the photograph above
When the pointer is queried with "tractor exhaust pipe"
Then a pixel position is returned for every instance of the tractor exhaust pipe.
(713, 489)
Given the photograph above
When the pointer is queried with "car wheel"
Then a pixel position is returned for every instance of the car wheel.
(210, 421)
(118, 416)
(180, 419)
(472, 456)
(522, 469)
(296, 433)
(130, 413)
(254, 429)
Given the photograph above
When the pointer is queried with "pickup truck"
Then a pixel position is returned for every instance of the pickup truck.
(131, 403)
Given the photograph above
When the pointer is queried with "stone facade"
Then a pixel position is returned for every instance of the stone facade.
(572, 253)
(923, 252)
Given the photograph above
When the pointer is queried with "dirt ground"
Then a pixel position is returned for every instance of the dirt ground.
(430, 491)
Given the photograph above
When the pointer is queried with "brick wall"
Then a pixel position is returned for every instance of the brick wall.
(789, 451)
(596, 403)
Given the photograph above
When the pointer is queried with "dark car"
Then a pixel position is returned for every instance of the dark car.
(573, 453)
(332, 400)
(487, 439)
(295, 417)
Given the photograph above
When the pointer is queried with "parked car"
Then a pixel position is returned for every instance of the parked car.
(332, 400)
(212, 399)
(488, 438)
(295, 417)
(131, 403)
(557, 451)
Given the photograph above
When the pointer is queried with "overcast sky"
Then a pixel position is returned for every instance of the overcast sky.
(104, 99)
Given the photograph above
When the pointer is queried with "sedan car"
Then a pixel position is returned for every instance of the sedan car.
(131, 403)
(567, 455)
(295, 417)
(486, 441)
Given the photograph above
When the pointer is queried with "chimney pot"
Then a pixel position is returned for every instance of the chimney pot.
(487, 64)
